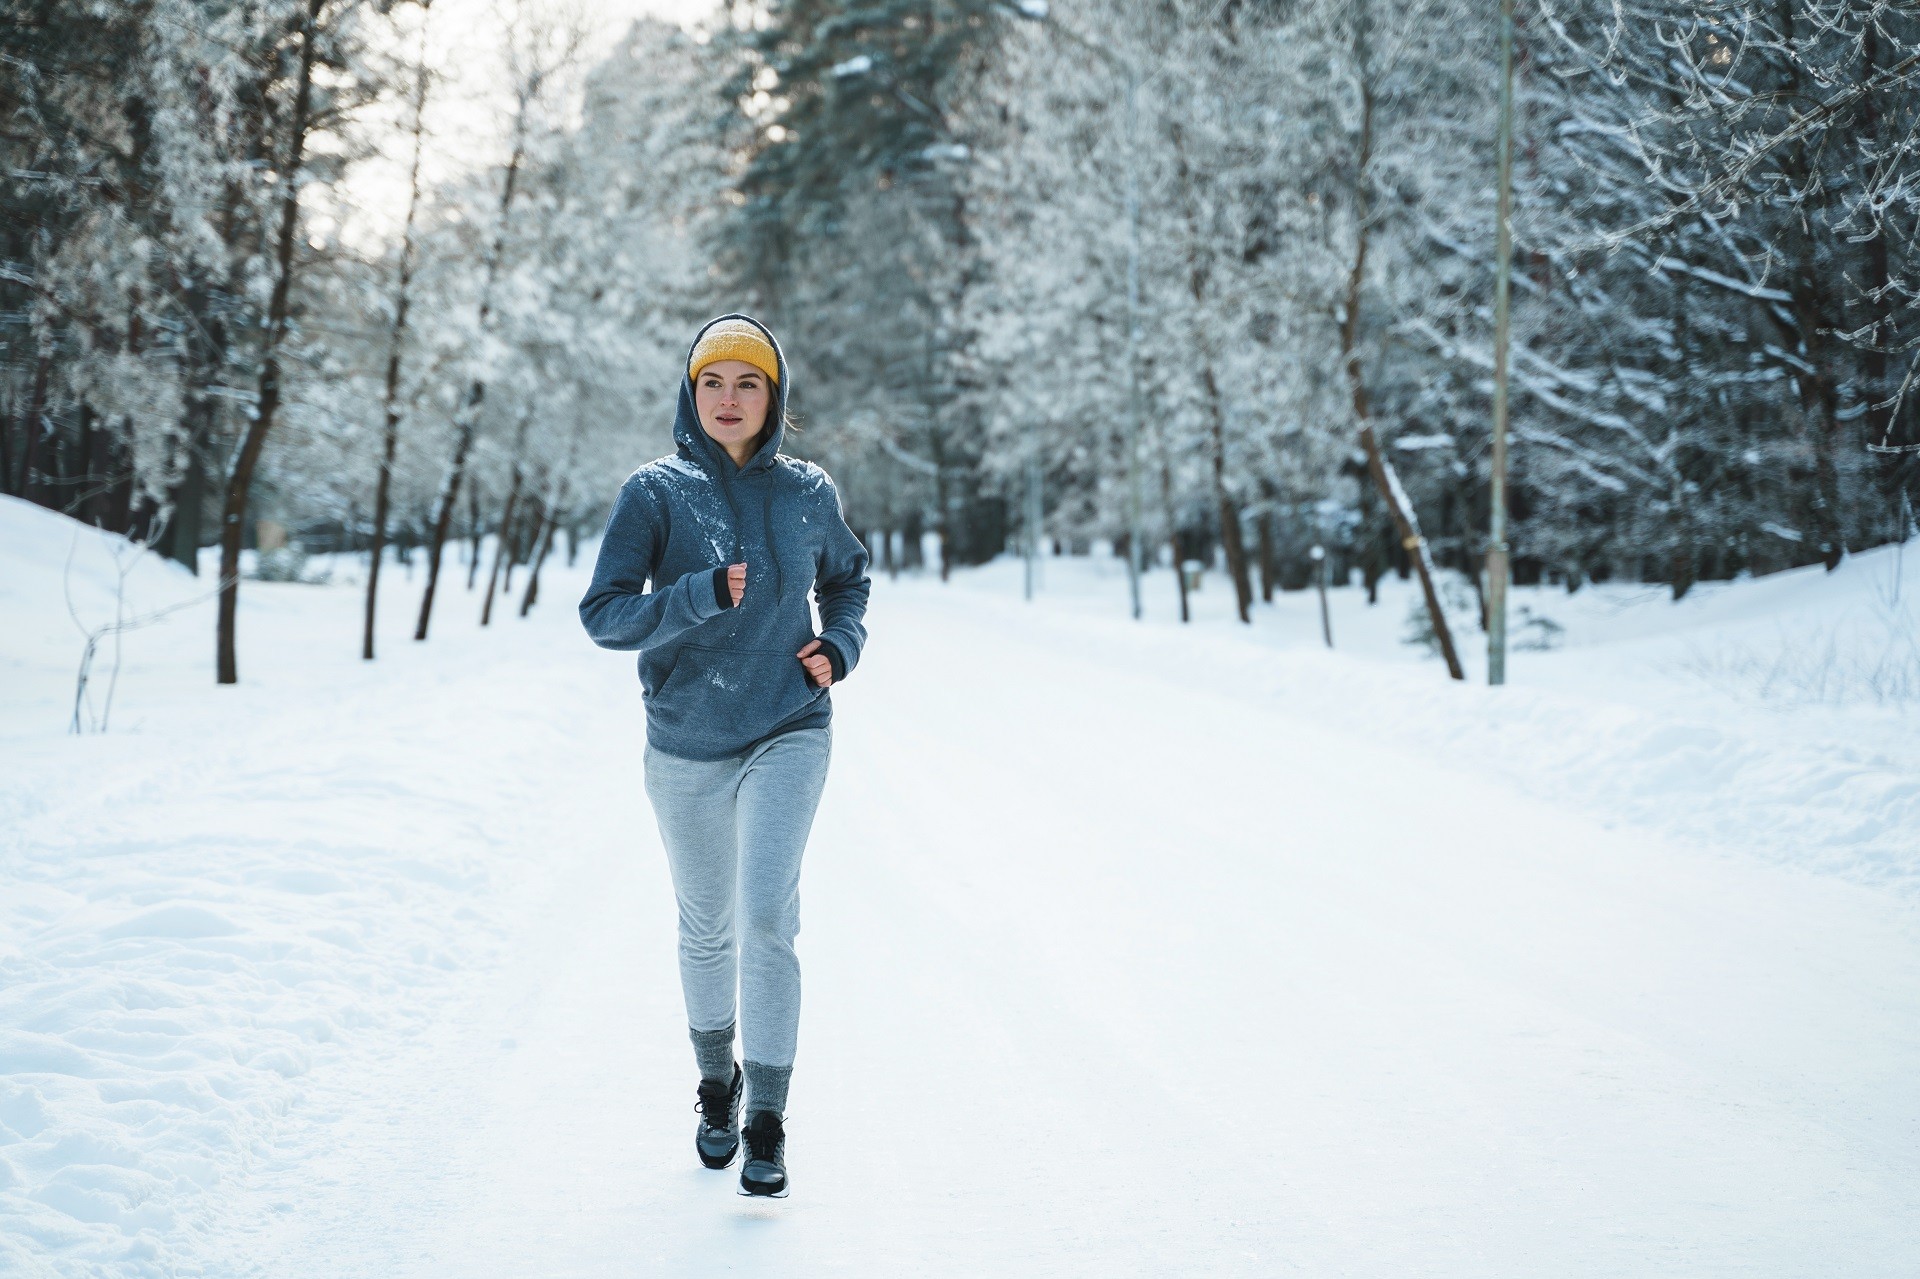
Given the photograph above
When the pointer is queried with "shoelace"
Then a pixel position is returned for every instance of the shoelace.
(764, 1143)
(716, 1100)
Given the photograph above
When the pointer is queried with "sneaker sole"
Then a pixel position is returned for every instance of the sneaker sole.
(781, 1193)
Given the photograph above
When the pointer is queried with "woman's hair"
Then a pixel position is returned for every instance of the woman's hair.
(787, 422)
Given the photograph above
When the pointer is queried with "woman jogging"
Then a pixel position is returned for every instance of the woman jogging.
(732, 535)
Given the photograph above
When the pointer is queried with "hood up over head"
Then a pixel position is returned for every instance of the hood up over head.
(703, 450)
(693, 441)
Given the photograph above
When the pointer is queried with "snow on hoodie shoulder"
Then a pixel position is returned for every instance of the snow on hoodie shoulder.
(718, 679)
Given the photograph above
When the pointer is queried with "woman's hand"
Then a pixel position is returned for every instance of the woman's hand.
(737, 581)
(819, 669)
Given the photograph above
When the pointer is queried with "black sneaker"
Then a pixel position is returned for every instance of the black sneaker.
(718, 1137)
(765, 1170)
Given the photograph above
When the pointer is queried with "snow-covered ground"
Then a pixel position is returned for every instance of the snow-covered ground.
(1130, 948)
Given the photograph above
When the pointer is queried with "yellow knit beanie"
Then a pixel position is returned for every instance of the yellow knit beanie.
(735, 340)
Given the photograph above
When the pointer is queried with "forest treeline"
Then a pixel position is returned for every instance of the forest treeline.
(1215, 275)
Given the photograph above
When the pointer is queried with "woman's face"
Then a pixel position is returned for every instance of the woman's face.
(732, 397)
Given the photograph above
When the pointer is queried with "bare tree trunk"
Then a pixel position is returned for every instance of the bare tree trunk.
(36, 420)
(537, 540)
(913, 554)
(58, 473)
(240, 480)
(181, 540)
(474, 535)
(1230, 537)
(390, 438)
(546, 546)
(1267, 567)
(116, 454)
(552, 508)
(1479, 590)
(942, 502)
(86, 504)
(449, 494)
(500, 549)
(6, 451)
(1407, 523)
(1384, 477)
(532, 515)
(1231, 540)
(503, 539)
(1683, 562)
(1173, 533)
(206, 344)
(468, 416)
(119, 500)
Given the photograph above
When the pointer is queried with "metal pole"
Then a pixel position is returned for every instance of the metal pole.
(1319, 556)
(1134, 81)
(1133, 348)
(1033, 543)
(1497, 558)
(1037, 515)
(1036, 519)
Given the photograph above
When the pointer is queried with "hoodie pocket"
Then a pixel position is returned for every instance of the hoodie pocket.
(731, 692)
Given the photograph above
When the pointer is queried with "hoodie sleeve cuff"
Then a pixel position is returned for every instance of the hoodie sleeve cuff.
(722, 596)
(834, 659)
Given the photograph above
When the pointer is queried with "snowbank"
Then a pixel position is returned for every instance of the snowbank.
(1777, 717)
(206, 902)
(270, 1000)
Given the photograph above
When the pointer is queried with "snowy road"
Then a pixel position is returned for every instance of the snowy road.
(1111, 973)
(1113, 967)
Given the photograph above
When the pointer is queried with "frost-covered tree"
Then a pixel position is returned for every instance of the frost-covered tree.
(1215, 277)
(542, 56)
(856, 235)
(161, 154)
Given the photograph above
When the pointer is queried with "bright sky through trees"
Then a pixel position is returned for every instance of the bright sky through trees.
(466, 111)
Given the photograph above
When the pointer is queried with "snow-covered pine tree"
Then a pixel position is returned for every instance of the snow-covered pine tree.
(1779, 142)
(858, 185)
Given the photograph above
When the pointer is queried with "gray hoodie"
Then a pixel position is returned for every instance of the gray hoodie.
(717, 679)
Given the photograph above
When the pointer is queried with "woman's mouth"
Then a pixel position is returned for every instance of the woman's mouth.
(727, 419)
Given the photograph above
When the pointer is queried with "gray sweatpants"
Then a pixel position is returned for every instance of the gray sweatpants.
(735, 830)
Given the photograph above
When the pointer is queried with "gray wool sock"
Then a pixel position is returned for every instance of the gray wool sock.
(713, 1049)
(767, 1087)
